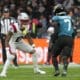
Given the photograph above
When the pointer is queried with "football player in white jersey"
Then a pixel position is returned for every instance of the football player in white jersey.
(15, 41)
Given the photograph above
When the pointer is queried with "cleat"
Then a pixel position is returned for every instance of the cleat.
(47, 63)
(64, 73)
(15, 66)
(38, 71)
(3, 75)
(57, 73)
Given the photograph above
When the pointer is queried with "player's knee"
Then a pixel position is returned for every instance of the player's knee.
(54, 55)
(33, 51)
(10, 56)
(67, 55)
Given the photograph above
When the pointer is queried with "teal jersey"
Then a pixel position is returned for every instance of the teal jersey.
(65, 25)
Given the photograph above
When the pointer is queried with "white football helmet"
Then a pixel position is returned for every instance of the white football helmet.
(23, 16)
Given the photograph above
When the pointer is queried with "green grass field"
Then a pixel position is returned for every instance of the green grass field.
(26, 73)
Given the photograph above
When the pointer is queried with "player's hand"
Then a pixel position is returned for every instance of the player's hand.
(33, 45)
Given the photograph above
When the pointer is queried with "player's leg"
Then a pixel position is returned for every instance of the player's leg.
(28, 48)
(65, 56)
(55, 64)
(55, 52)
(15, 61)
(10, 57)
(35, 64)
(67, 53)
(4, 55)
(49, 56)
(65, 61)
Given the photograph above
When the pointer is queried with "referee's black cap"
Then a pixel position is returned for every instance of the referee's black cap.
(6, 10)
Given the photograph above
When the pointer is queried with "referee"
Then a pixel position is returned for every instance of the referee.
(5, 21)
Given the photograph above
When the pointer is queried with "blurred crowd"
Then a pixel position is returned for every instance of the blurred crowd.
(42, 10)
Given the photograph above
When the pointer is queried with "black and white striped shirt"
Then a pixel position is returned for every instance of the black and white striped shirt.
(5, 23)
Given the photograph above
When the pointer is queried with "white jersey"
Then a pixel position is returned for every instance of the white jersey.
(17, 33)
(16, 41)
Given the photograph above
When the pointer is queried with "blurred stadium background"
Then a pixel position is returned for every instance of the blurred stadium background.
(42, 11)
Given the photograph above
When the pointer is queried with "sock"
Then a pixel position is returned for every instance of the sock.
(55, 63)
(15, 61)
(35, 64)
(7, 63)
(65, 63)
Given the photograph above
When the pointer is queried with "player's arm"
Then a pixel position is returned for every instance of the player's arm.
(29, 38)
(54, 36)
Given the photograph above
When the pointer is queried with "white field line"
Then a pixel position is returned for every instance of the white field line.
(44, 66)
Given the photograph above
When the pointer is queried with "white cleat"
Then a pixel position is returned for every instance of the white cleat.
(15, 67)
(39, 71)
(3, 75)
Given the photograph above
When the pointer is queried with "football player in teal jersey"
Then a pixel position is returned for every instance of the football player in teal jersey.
(64, 41)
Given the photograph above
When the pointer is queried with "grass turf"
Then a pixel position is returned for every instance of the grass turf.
(26, 73)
